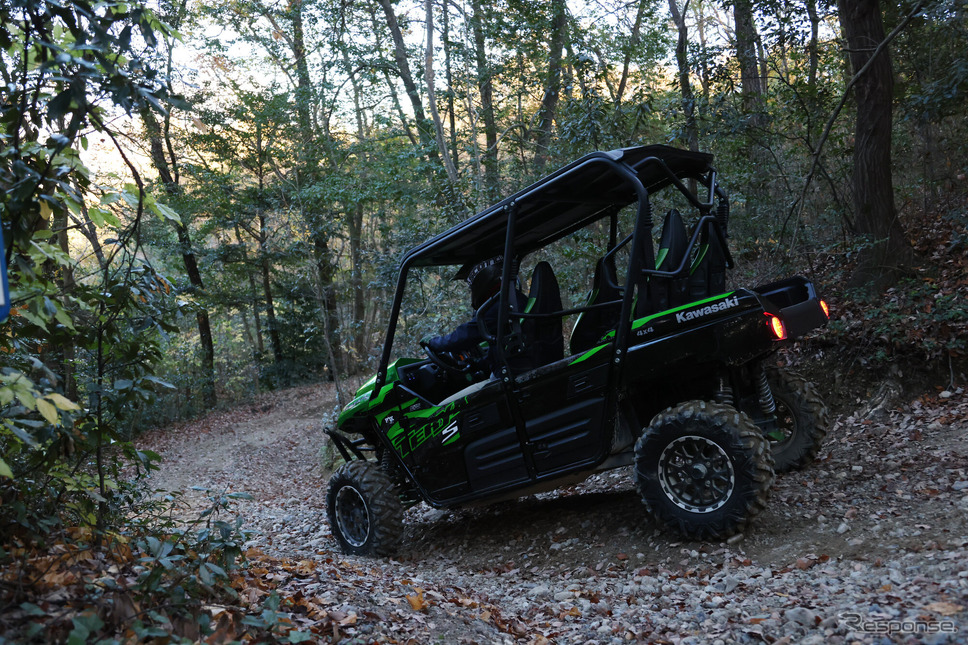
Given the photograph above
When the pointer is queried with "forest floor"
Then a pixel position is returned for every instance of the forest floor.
(869, 544)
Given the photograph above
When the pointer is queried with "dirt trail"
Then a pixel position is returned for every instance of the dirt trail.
(877, 527)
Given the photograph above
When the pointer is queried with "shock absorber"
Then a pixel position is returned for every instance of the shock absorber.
(724, 393)
(764, 393)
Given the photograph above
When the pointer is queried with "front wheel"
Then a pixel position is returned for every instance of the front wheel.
(364, 510)
(704, 469)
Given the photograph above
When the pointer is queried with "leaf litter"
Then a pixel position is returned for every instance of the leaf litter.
(582, 564)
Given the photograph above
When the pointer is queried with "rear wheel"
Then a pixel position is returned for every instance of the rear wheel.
(801, 420)
(704, 469)
(364, 510)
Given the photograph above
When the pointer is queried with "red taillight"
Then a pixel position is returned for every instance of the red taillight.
(776, 326)
(826, 309)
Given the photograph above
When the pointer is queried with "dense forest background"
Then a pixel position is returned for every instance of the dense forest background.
(204, 200)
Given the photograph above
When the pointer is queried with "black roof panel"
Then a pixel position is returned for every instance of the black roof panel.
(561, 203)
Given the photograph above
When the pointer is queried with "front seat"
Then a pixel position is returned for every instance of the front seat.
(543, 339)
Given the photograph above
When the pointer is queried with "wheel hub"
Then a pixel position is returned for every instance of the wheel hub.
(352, 516)
(696, 474)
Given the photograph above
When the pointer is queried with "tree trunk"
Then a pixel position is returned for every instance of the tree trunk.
(484, 87)
(169, 179)
(875, 216)
(448, 198)
(253, 297)
(327, 289)
(313, 213)
(303, 81)
(424, 127)
(630, 50)
(682, 61)
(271, 322)
(432, 99)
(67, 283)
(813, 47)
(746, 55)
(391, 86)
(549, 103)
(354, 223)
(448, 72)
(705, 74)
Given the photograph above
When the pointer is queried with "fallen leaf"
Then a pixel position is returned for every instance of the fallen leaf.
(348, 620)
(944, 608)
(805, 563)
(417, 602)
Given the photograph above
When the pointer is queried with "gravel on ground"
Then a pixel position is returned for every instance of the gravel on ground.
(867, 545)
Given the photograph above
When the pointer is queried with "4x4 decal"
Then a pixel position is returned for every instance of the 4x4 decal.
(650, 324)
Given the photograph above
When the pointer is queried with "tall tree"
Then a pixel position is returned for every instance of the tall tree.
(451, 92)
(691, 130)
(432, 98)
(813, 47)
(424, 126)
(549, 103)
(308, 173)
(630, 46)
(163, 158)
(486, 90)
(748, 63)
(448, 196)
(875, 215)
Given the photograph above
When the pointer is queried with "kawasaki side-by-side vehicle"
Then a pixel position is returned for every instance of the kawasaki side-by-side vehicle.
(659, 364)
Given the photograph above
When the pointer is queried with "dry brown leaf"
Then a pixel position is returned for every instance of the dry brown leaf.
(348, 620)
(417, 601)
(945, 608)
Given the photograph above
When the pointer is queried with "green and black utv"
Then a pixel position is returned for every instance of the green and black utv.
(659, 365)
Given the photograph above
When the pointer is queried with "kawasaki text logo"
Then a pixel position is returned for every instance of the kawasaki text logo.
(728, 303)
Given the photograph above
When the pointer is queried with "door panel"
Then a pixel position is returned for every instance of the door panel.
(566, 436)
(496, 460)
(563, 415)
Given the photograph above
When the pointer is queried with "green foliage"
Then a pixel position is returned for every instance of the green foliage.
(150, 578)
(83, 333)
(923, 320)
(919, 321)
(63, 57)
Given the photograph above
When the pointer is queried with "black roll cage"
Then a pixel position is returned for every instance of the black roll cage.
(629, 166)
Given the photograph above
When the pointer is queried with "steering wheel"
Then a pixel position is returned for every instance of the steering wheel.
(455, 363)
